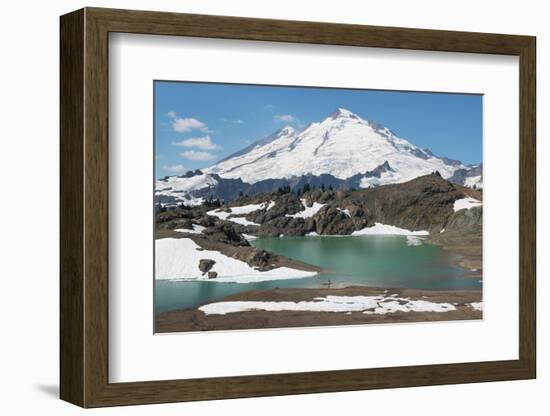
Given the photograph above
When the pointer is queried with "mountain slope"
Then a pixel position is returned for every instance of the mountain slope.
(471, 177)
(342, 145)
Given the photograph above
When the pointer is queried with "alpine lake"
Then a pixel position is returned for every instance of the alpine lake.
(386, 261)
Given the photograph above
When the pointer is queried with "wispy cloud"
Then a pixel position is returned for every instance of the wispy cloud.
(197, 155)
(174, 168)
(204, 143)
(234, 121)
(284, 118)
(184, 125)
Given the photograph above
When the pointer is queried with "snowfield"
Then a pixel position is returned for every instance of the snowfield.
(308, 212)
(364, 304)
(379, 228)
(178, 259)
(343, 145)
(178, 187)
(466, 203)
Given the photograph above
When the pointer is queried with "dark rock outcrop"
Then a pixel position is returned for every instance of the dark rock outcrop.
(205, 265)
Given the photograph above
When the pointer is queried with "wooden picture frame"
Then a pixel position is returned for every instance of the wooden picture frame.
(84, 207)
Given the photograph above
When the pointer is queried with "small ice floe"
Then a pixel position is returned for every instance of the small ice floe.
(197, 229)
(466, 203)
(366, 304)
(478, 306)
(179, 259)
(308, 212)
(312, 234)
(379, 228)
(413, 240)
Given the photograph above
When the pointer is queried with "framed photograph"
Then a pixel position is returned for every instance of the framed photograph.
(257, 207)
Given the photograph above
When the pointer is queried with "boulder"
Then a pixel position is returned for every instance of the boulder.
(205, 265)
(212, 275)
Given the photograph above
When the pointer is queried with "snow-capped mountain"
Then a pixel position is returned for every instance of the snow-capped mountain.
(342, 151)
(342, 145)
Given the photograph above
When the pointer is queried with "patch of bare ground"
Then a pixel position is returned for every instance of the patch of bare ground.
(195, 320)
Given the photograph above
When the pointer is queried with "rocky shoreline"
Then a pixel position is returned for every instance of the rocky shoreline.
(196, 320)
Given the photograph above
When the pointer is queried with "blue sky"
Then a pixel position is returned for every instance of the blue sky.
(197, 124)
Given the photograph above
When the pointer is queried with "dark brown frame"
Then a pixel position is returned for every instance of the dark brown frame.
(84, 209)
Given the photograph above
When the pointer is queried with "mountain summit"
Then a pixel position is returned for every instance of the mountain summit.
(342, 145)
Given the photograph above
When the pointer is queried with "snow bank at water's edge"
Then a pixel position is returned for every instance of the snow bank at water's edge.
(379, 228)
(178, 259)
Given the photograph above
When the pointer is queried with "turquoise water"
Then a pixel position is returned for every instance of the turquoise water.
(374, 260)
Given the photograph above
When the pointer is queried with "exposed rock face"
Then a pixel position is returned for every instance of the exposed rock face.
(331, 220)
(205, 265)
(225, 232)
(424, 203)
(465, 220)
(212, 275)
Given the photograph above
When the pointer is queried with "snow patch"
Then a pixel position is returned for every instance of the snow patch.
(197, 229)
(472, 181)
(466, 203)
(478, 306)
(178, 259)
(240, 211)
(345, 211)
(242, 221)
(250, 237)
(308, 212)
(366, 304)
(379, 228)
